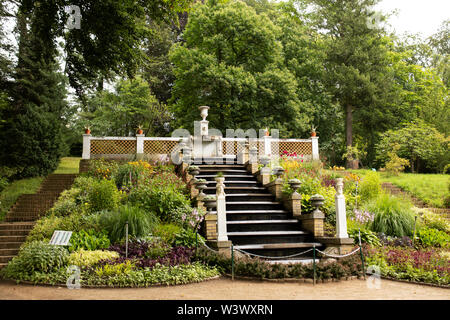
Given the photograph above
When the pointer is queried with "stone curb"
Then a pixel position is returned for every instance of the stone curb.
(293, 280)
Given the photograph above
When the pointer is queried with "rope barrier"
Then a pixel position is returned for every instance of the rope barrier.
(338, 256)
(269, 257)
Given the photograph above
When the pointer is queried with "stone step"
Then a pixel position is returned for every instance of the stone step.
(220, 167)
(233, 190)
(253, 205)
(278, 245)
(240, 197)
(224, 171)
(250, 212)
(234, 183)
(21, 219)
(266, 233)
(248, 222)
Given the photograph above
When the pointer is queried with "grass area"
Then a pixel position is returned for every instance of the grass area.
(430, 188)
(68, 165)
(30, 185)
(10, 194)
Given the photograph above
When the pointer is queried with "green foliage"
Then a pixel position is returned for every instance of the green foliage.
(419, 142)
(167, 203)
(44, 227)
(103, 195)
(188, 238)
(89, 240)
(111, 270)
(370, 187)
(367, 236)
(37, 256)
(102, 169)
(167, 232)
(85, 258)
(232, 60)
(393, 217)
(140, 222)
(435, 221)
(429, 237)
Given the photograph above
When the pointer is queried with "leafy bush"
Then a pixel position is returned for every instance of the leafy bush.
(89, 240)
(429, 237)
(392, 216)
(3, 183)
(103, 195)
(435, 221)
(165, 202)
(44, 227)
(37, 256)
(102, 169)
(370, 187)
(131, 174)
(395, 242)
(188, 238)
(367, 236)
(167, 232)
(140, 223)
(109, 270)
(84, 258)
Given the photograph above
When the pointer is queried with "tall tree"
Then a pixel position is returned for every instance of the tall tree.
(232, 61)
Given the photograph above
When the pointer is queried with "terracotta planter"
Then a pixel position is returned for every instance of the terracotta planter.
(313, 134)
(87, 131)
(140, 131)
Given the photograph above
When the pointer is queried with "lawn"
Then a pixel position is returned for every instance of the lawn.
(430, 188)
(27, 186)
(10, 194)
(68, 165)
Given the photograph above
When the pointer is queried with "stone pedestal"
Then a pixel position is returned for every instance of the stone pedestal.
(313, 223)
(210, 227)
(263, 176)
(275, 187)
(337, 246)
(293, 203)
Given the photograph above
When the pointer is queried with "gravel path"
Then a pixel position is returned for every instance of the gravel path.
(226, 289)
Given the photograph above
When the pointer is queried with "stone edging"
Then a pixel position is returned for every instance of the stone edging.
(292, 280)
(108, 287)
(415, 282)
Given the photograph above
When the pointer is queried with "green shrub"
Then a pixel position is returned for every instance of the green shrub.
(140, 223)
(429, 237)
(446, 169)
(110, 270)
(37, 256)
(102, 169)
(187, 238)
(367, 236)
(44, 227)
(3, 183)
(393, 217)
(435, 221)
(84, 258)
(90, 240)
(164, 202)
(131, 174)
(167, 232)
(103, 195)
(370, 187)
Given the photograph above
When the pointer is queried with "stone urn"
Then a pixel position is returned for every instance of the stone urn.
(278, 171)
(295, 184)
(264, 160)
(210, 201)
(317, 201)
(200, 185)
(193, 170)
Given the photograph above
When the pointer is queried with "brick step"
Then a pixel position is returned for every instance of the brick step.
(2, 265)
(12, 238)
(21, 219)
(9, 252)
(16, 226)
(10, 245)
(14, 232)
(5, 259)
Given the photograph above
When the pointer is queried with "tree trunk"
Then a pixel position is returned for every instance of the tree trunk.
(349, 125)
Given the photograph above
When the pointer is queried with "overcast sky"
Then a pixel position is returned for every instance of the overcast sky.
(416, 16)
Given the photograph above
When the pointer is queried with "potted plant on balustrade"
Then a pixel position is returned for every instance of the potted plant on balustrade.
(193, 170)
(139, 129)
(200, 184)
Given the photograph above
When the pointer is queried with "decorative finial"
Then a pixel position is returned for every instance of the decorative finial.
(204, 112)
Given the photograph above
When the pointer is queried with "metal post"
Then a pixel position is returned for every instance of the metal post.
(361, 252)
(314, 264)
(126, 239)
(232, 262)
(196, 242)
(414, 235)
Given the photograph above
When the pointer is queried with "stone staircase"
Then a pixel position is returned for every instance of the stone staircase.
(256, 223)
(27, 209)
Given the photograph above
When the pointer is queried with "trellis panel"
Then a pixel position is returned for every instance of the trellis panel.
(159, 146)
(300, 147)
(113, 146)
